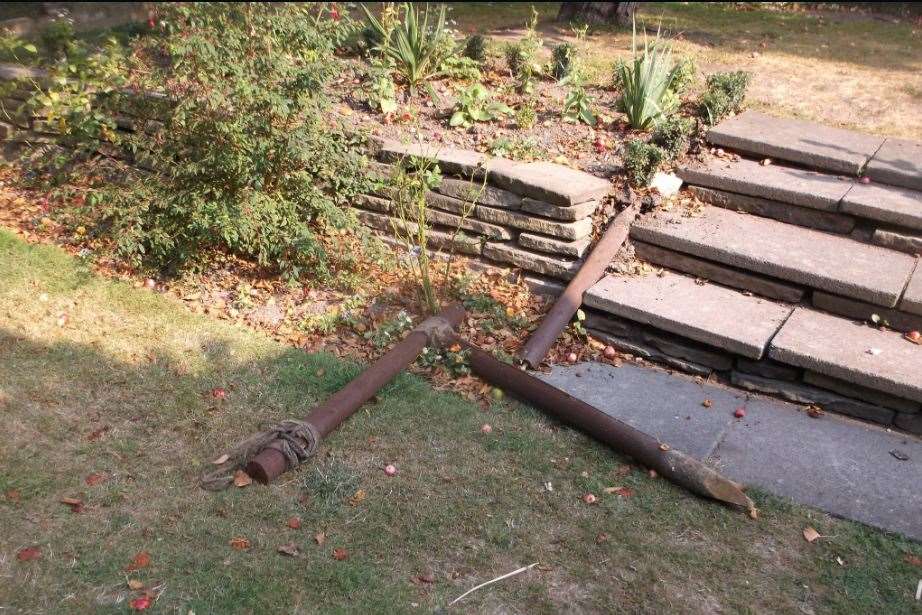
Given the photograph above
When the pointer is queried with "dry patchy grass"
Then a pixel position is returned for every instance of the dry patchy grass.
(121, 389)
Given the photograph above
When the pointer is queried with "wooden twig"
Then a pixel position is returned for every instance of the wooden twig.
(491, 581)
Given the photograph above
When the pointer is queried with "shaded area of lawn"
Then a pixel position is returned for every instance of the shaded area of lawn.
(121, 389)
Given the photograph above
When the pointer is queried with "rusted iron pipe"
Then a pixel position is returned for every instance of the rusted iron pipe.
(270, 463)
(535, 349)
(647, 450)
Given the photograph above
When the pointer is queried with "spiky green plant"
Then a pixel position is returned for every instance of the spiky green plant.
(645, 81)
(411, 45)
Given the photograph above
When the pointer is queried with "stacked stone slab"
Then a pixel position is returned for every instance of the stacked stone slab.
(796, 278)
(536, 216)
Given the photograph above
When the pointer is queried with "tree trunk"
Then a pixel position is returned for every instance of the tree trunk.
(598, 13)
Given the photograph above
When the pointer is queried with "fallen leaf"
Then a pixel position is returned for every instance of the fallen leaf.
(427, 577)
(294, 523)
(240, 543)
(339, 554)
(96, 435)
(141, 560)
(139, 604)
(320, 538)
(76, 505)
(840, 561)
(811, 535)
(707, 403)
(13, 495)
(94, 479)
(219, 393)
(135, 584)
(815, 412)
(242, 479)
(290, 549)
(28, 554)
(913, 560)
(221, 460)
(899, 455)
(624, 492)
(357, 498)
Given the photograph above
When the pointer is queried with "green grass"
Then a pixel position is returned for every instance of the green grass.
(465, 506)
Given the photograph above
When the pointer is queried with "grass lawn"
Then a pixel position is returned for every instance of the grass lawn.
(842, 69)
(120, 389)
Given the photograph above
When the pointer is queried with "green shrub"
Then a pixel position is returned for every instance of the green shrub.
(522, 56)
(475, 48)
(526, 116)
(560, 60)
(645, 83)
(577, 104)
(724, 95)
(57, 39)
(672, 135)
(683, 76)
(460, 68)
(642, 161)
(248, 161)
(475, 104)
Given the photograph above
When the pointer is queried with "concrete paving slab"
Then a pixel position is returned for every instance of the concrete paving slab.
(912, 297)
(836, 264)
(785, 212)
(550, 182)
(706, 313)
(554, 246)
(772, 182)
(665, 406)
(897, 162)
(483, 194)
(842, 466)
(573, 212)
(807, 143)
(833, 346)
(859, 310)
(899, 206)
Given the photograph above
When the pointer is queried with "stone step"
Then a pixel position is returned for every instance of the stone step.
(772, 182)
(898, 162)
(570, 231)
(891, 204)
(832, 263)
(912, 298)
(808, 143)
(706, 313)
(554, 266)
(479, 192)
(861, 355)
(550, 182)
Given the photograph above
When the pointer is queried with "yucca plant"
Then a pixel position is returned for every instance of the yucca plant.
(411, 45)
(645, 82)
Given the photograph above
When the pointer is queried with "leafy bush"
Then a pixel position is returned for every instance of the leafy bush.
(683, 76)
(476, 105)
(577, 105)
(672, 135)
(560, 60)
(526, 116)
(642, 161)
(57, 39)
(248, 160)
(415, 49)
(475, 48)
(460, 68)
(522, 55)
(645, 82)
(724, 95)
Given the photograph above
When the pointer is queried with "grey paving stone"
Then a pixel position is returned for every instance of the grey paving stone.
(648, 353)
(785, 212)
(842, 349)
(556, 267)
(437, 239)
(805, 394)
(897, 162)
(894, 240)
(665, 406)
(804, 256)
(543, 286)
(717, 273)
(859, 392)
(574, 212)
(449, 204)
(688, 351)
(807, 143)
(564, 230)
(467, 164)
(492, 231)
(891, 204)
(912, 297)
(555, 246)
(550, 182)
(721, 317)
(374, 203)
(772, 182)
(836, 464)
(768, 369)
(858, 310)
(909, 422)
(483, 194)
